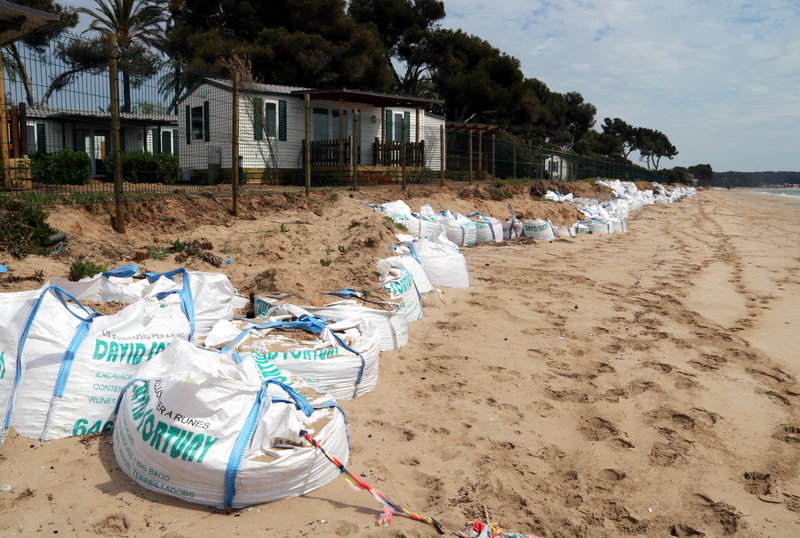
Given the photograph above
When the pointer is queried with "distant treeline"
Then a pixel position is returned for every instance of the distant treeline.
(754, 179)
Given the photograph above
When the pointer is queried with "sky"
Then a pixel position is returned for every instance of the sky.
(721, 78)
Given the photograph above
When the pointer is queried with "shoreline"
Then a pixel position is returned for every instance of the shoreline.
(640, 383)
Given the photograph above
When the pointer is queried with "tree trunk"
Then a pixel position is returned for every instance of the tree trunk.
(30, 93)
(126, 91)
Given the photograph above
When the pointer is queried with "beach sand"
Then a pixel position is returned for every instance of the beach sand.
(632, 384)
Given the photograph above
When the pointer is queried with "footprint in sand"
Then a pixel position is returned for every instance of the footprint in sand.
(112, 525)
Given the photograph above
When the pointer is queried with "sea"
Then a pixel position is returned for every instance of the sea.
(793, 193)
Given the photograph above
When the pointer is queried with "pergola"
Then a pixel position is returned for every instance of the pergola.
(475, 128)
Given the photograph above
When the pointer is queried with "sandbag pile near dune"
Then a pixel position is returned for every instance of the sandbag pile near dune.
(208, 407)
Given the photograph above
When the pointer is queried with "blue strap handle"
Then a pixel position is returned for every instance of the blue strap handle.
(488, 222)
(412, 250)
(185, 294)
(345, 293)
(249, 428)
(123, 271)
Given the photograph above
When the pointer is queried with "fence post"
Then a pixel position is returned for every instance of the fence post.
(442, 156)
(480, 155)
(341, 139)
(3, 131)
(235, 144)
(403, 128)
(514, 164)
(494, 164)
(113, 80)
(469, 156)
(354, 149)
(307, 157)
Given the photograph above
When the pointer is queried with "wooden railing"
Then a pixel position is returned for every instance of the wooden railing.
(390, 153)
(326, 152)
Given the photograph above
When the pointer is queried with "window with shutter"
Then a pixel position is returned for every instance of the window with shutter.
(197, 123)
(270, 117)
(407, 118)
(258, 118)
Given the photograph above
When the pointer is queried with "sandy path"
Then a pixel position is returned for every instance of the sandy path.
(639, 384)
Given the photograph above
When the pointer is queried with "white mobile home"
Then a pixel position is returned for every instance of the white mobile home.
(272, 130)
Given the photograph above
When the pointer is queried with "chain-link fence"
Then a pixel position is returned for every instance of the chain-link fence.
(179, 138)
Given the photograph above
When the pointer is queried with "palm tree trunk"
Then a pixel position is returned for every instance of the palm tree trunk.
(126, 91)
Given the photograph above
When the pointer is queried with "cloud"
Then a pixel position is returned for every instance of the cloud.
(719, 77)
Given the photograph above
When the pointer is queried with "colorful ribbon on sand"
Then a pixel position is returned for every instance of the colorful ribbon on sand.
(389, 508)
(479, 529)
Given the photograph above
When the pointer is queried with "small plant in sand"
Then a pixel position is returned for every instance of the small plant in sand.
(334, 197)
(38, 275)
(329, 250)
(401, 227)
(83, 268)
(325, 262)
(342, 249)
(178, 246)
(284, 229)
(157, 253)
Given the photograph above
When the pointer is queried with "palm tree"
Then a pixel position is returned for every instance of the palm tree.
(136, 23)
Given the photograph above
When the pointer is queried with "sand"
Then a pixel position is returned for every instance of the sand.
(636, 384)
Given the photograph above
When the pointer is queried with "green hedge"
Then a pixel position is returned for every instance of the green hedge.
(142, 167)
(61, 168)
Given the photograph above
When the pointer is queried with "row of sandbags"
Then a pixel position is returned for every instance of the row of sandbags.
(217, 427)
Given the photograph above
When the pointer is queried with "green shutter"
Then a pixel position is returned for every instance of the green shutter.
(41, 138)
(407, 117)
(206, 122)
(176, 137)
(282, 120)
(156, 140)
(258, 119)
(188, 124)
(388, 125)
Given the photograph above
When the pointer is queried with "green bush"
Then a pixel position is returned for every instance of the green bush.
(23, 229)
(143, 167)
(65, 167)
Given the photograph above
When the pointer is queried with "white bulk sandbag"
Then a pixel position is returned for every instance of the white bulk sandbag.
(116, 285)
(15, 308)
(400, 213)
(213, 294)
(342, 361)
(487, 229)
(564, 231)
(390, 324)
(458, 228)
(512, 228)
(619, 225)
(424, 226)
(75, 361)
(406, 259)
(541, 230)
(443, 263)
(197, 426)
(581, 228)
(599, 226)
(400, 285)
